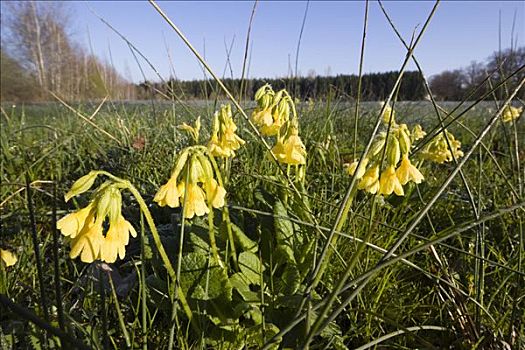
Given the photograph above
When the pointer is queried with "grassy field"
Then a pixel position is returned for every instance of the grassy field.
(440, 267)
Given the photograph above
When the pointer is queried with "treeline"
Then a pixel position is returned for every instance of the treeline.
(496, 77)
(38, 56)
(375, 86)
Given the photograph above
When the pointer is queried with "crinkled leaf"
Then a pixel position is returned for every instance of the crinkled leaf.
(251, 267)
(203, 279)
(242, 285)
(290, 280)
(283, 226)
(284, 254)
(244, 241)
(198, 244)
(254, 335)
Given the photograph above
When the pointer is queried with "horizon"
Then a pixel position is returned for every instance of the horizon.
(447, 45)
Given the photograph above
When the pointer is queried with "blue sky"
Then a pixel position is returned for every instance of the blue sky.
(460, 32)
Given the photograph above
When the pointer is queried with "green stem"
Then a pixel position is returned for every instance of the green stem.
(225, 213)
(144, 306)
(158, 243)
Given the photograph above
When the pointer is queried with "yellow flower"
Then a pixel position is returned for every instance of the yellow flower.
(417, 133)
(88, 242)
(292, 151)
(388, 114)
(408, 172)
(168, 194)
(389, 182)
(192, 130)
(370, 180)
(511, 113)
(266, 121)
(437, 150)
(71, 224)
(7, 257)
(224, 141)
(215, 193)
(350, 169)
(194, 201)
(85, 227)
(116, 240)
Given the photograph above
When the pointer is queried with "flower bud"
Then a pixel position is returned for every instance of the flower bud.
(181, 161)
(393, 152)
(103, 203)
(115, 204)
(278, 97)
(206, 167)
(82, 185)
(261, 92)
(388, 114)
(378, 145)
(196, 173)
(404, 141)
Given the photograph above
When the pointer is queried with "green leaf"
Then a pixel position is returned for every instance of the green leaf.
(283, 226)
(244, 241)
(284, 254)
(198, 244)
(203, 279)
(290, 280)
(254, 335)
(242, 285)
(251, 267)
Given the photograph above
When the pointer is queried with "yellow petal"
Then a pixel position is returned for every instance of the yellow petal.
(87, 243)
(8, 257)
(71, 224)
(215, 194)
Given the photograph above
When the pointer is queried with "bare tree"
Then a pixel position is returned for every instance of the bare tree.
(38, 36)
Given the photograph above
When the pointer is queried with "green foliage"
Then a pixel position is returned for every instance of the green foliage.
(260, 290)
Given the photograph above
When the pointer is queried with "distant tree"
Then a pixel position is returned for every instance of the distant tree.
(448, 85)
(38, 36)
(15, 83)
(506, 63)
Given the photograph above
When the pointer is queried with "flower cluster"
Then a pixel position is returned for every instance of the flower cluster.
(272, 116)
(398, 169)
(511, 113)
(438, 151)
(192, 184)
(272, 111)
(224, 141)
(86, 227)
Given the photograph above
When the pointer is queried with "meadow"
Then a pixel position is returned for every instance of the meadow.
(264, 221)
(456, 280)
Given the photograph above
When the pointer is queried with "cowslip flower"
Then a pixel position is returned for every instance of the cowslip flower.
(7, 257)
(194, 201)
(511, 113)
(291, 150)
(224, 140)
(116, 240)
(169, 194)
(85, 228)
(408, 172)
(370, 180)
(272, 111)
(351, 168)
(438, 151)
(389, 182)
(192, 185)
(417, 133)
